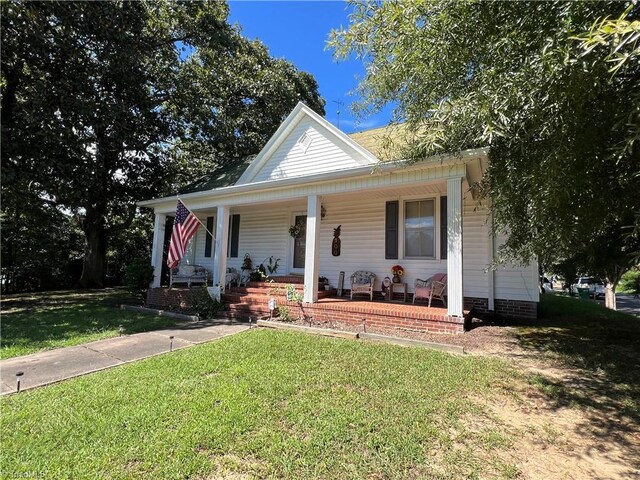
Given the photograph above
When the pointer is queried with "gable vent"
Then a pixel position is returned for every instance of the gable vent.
(304, 141)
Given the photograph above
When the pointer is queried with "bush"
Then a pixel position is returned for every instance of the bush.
(202, 305)
(630, 282)
(138, 275)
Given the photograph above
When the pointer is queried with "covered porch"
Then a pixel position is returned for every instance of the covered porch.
(331, 309)
(368, 232)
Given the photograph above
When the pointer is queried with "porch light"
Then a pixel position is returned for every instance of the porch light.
(323, 212)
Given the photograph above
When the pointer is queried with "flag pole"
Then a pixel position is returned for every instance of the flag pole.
(196, 217)
(203, 226)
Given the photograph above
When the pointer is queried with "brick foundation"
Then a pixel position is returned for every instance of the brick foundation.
(168, 298)
(252, 300)
(481, 305)
(515, 308)
(376, 314)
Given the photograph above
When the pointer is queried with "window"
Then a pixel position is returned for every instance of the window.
(208, 242)
(419, 229)
(234, 236)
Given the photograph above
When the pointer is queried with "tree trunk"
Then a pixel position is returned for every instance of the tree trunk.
(94, 255)
(610, 296)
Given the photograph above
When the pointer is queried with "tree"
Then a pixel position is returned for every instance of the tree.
(525, 79)
(95, 94)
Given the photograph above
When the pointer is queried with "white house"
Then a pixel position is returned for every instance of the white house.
(422, 216)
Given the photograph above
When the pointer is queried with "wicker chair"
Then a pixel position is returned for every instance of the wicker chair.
(433, 287)
(362, 283)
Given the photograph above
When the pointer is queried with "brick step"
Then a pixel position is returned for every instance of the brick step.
(299, 279)
(264, 296)
(241, 311)
(243, 315)
(261, 290)
(297, 286)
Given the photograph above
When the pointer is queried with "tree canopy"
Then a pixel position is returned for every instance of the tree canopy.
(551, 87)
(107, 103)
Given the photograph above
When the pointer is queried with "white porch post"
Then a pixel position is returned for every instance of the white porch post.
(221, 242)
(157, 249)
(455, 299)
(312, 253)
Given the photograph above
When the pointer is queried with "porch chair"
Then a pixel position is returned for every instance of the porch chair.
(434, 287)
(189, 274)
(362, 283)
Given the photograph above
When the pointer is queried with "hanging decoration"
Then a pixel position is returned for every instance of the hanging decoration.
(335, 245)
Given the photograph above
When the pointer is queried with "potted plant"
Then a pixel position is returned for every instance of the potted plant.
(398, 272)
(323, 282)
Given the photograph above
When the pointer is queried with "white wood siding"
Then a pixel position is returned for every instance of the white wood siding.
(475, 259)
(322, 155)
(264, 232)
(514, 282)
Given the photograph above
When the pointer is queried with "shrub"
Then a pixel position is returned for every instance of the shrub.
(201, 304)
(630, 282)
(138, 275)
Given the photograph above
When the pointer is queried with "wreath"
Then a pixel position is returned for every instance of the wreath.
(295, 230)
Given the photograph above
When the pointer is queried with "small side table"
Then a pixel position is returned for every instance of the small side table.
(397, 287)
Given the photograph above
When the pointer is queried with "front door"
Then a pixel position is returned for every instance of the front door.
(299, 244)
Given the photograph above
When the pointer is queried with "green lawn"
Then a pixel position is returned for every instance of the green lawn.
(43, 321)
(266, 404)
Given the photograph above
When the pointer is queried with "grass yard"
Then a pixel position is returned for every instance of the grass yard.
(266, 404)
(42, 321)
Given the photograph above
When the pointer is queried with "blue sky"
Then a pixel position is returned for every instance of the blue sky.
(298, 31)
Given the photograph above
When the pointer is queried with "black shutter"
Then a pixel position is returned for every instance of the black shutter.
(391, 230)
(208, 243)
(443, 228)
(234, 236)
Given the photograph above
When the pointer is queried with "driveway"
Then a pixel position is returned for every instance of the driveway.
(628, 303)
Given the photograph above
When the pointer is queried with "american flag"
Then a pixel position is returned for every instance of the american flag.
(184, 226)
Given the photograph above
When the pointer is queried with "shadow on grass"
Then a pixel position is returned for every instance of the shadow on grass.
(32, 322)
(600, 347)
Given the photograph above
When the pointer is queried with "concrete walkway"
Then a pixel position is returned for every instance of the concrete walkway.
(54, 365)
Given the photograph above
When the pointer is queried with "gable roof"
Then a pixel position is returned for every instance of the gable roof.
(358, 155)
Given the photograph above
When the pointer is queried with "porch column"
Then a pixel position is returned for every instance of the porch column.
(220, 253)
(158, 248)
(312, 253)
(455, 299)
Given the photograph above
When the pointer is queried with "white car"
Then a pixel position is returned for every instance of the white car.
(595, 286)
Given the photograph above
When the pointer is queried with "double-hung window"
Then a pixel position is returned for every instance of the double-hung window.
(420, 229)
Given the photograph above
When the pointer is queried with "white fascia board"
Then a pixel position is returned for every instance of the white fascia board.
(285, 127)
(369, 157)
(435, 161)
